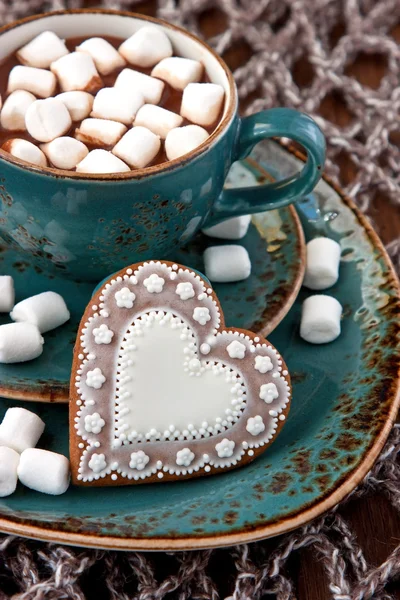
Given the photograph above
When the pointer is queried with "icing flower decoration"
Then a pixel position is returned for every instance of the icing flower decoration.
(94, 423)
(185, 290)
(102, 334)
(255, 425)
(97, 463)
(225, 448)
(124, 298)
(184, 457)
(236, 349)
(138, 460)
(154, 284)
(263, 364)
(201, 314)
(95, 378)
(268, 392)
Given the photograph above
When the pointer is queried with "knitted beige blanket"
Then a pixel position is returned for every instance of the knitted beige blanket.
(335, 39)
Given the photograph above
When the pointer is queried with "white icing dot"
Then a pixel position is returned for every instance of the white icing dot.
(160, 475)
(114, 477)
(205, 348)
(250, 452)
(207, 468)
(282, 417)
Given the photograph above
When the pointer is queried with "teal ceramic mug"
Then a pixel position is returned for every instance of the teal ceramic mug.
(87, 226)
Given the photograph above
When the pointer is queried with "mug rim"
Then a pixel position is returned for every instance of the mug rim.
(136, 174)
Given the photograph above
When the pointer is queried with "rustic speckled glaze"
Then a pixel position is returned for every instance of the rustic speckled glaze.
(345, 398)
(85, 226)
(275, 243)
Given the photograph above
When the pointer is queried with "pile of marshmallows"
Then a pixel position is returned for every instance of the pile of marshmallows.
(40, 470)
(132, 101)
(22, 341)
(321, 314)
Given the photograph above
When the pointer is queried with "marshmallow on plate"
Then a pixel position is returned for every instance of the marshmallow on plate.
(13, 112)
(178, 71)
(320, 319)
(26, 151)
(9, 461)
(101, 162)
(138, 147)
(20, 429)
(182, 140)
(100, 132)
(202, 102)
(42, 50)
(117, 104)
(224, 264)
(105, 57)
(47, 119)
(77, 71)
(7, 293)
(39, 82)
(146, 47)
(65, 152)
(231, 229)
(150, 87)
(44, 471)
(322, 263)
(159, 120)
(46, 310)
(79, 104)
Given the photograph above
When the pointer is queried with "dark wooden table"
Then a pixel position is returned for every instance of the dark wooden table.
(374, 520)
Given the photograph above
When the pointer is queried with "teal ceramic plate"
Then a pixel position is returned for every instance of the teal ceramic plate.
(345, 398)
(275, 243)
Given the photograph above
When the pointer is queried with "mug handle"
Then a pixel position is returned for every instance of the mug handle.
(275, 122)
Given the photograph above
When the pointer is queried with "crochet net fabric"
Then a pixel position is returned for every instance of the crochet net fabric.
(265, 41)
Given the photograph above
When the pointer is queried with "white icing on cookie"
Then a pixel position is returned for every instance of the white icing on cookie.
(95, 378)
(268, 392)
(201, 314)
(124, 298)
(225, 448)
(139, 460)
(184, 457)
(97, 463)
(236, 350)
(154, 284)
(255, 425)
(94, 423)
(184, 290)
(263, 364)
(102, 334)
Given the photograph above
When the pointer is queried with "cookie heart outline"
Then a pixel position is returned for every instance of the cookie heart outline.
(98, 455)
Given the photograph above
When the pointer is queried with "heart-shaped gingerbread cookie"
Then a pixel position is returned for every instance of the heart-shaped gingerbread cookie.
(161, 390)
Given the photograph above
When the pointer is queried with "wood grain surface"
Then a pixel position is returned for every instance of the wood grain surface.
(374, 520)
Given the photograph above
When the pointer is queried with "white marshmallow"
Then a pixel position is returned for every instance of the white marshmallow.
(322, 263)
(65, 152)
(42, 50)
(9, 461)
(14, 110)
(77, 71)
(26, 151)
(39, 82)
(105, 57)
(47, 119)
(46, 310)
(100, 132)
(150, 87)
(182, 140)
(138, 147)
(117, 105)
(79, 104)
(7, 293)
(320, 319)
(101, 161)
(202, 102)
(20, 428)
(178, 71)
(146, 47)
(44, 471)
(159, 120)
(231, 229)
(224, 264)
